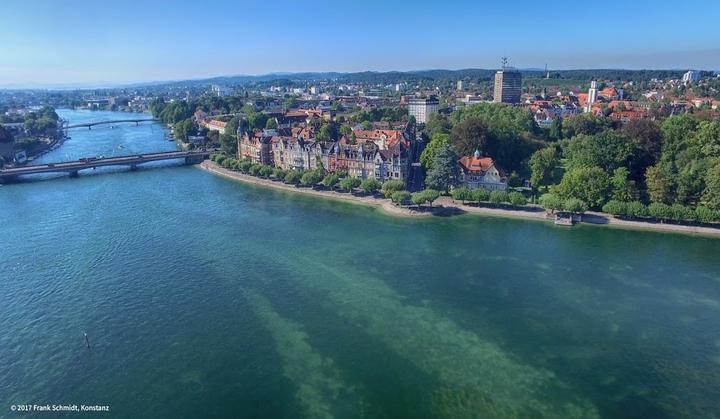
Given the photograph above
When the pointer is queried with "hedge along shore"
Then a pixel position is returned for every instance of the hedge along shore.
(445, 203)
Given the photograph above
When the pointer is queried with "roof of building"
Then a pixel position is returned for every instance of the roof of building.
(476, 164)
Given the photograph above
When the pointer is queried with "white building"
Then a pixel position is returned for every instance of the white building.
(592, 96)
(691, 76)
(422, 108)
(220, 90)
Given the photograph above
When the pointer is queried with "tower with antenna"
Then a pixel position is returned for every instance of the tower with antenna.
(508, 84)
(547, 73)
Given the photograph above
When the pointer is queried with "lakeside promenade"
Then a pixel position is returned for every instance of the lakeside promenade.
(446, 206)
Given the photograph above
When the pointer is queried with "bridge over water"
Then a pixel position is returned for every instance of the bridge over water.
(73, 167)
(89, 125)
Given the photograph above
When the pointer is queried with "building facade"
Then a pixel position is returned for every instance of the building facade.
(422, 108)
(481, 172)
(508, 86)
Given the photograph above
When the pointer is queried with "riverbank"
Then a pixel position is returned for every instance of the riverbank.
(382, 203)
(446, 206)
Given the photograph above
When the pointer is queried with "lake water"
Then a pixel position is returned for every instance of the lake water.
(203, 297)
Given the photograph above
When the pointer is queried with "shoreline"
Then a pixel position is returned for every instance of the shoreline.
(445, 205)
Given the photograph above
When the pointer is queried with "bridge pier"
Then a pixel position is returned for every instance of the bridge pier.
(74, 173)
(133, 167)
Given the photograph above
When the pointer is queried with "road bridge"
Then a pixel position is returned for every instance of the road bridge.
(73, 167)
(89, 125)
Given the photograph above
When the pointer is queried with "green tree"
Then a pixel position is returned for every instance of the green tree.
(462, 194)
(659, 210)
(331, 180)
(542, 166)
(428, 155)
(392, 186)
(293, 177)
(706, 215)
(556, 129)
(498, 197)
(588, 184)
(349, 183)
(245, 165)
(614, 207)
(370, 185)
(517, 199)
(623, 189)
(551, 201)
(574, 205)
(585, 124)
(480, 195)
(607, 150)
(279, 173)
(266, 171)
(636, 209)
(711, 195)
(438, 124)
(400, 197)
(311, 177)
(255, 169)
(660, 185)
(228, 143)
(271, 124)
(444, 172)
(427, 196)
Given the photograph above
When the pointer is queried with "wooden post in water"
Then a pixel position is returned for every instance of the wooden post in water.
(87, 341)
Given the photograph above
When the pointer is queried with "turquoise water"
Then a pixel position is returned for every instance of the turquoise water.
(207, 298)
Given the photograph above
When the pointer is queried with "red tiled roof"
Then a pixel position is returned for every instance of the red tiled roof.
(476, 164)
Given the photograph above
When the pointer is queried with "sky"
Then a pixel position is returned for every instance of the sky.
(96, 41)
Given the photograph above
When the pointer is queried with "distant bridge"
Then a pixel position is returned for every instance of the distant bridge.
(72, 167)
(89, 125)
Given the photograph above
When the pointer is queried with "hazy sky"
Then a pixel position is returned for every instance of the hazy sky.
(56, 41)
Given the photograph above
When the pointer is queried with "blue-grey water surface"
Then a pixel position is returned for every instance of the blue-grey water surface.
(203, 297)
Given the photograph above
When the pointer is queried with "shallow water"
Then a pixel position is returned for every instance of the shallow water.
(207, 298)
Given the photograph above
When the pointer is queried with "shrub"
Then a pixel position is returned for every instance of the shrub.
(266, 171)
(680, 212)
(220, 159)
(614, 207)
(370, 185)
(293, 177)
(392, 186)
(245, 165)
(660, 211)
(279, 173)
(331, 180)
(462, 194)
(551, 202)
(575, 205)
(311, 177)
(517, 199)
(706, 215)
(498, 197)
(400, 197)
(636, 209)
(428, 196)
(349, 183)
(480, 194)
(255, 169)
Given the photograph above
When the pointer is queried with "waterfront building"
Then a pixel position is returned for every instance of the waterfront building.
(422, 108)
(214, 125)
(255, 146)
(481, 172)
